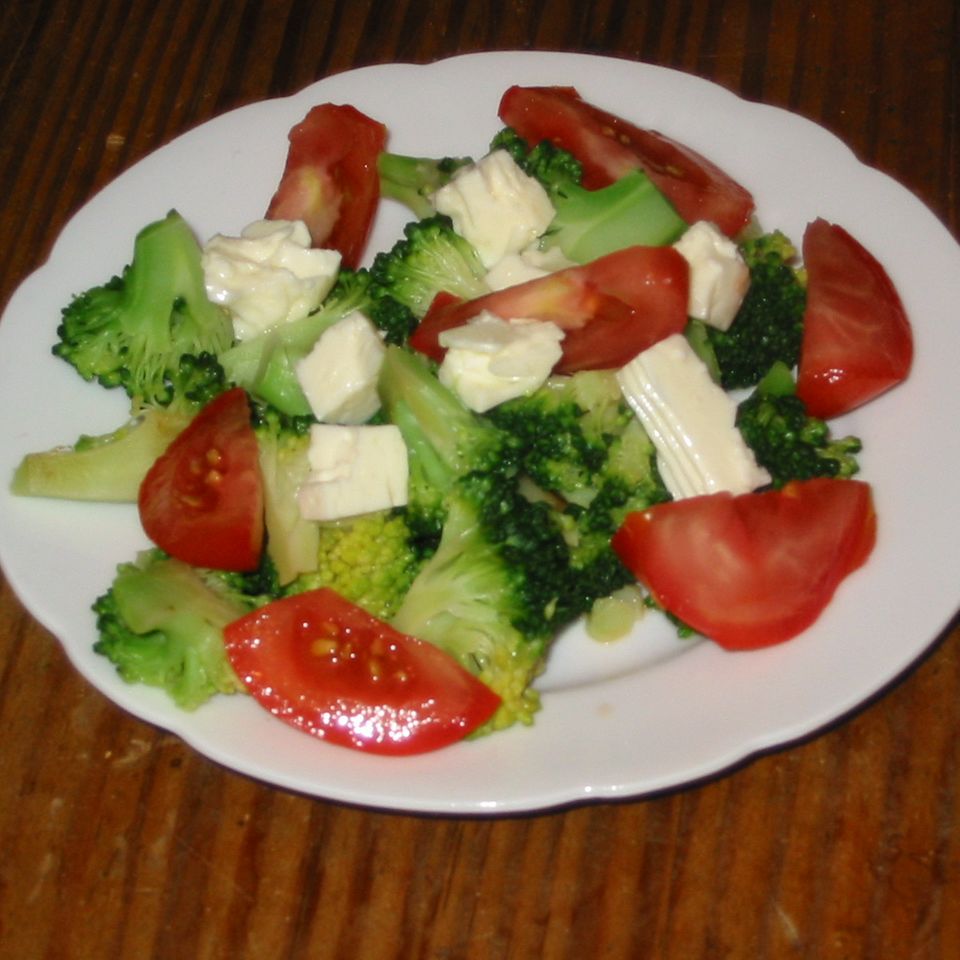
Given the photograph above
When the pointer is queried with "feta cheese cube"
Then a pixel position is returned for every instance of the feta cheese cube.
(719, 277)
(494, 205)
(353, 470)
(490, 360)
(531, 264)
(690, 420)
(339, 375)
(268, 275)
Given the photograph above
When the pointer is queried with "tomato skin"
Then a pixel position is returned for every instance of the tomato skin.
(202, 500)
(330, 180)
(756, 569)
(325, 666)
(609, 309)
(608, 146)
(857, 340)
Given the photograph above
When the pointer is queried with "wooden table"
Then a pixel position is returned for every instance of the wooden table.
(116, 840)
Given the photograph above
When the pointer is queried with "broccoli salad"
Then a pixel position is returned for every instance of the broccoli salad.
(382, 491)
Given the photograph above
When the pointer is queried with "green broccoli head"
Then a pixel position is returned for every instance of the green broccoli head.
(556, 169)
(786, 441)
(431, 258)
(370, 560)
(477, 600)
(161, 624)
(768, 328)
(591, 460)
(133, 331)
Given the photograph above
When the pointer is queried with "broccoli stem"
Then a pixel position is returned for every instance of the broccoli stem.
(629, 212)
(104, 468)
(411, 180)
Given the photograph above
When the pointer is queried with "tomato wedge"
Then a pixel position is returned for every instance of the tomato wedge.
(756, 569)
(202, 501)
(325, 666)
(608, 146)
(857, 340)
(330, 180)
(610, 309)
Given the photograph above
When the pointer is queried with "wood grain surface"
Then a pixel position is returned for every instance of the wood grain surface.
(118, 841)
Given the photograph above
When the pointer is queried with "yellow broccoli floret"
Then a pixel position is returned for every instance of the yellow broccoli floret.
(370, 560)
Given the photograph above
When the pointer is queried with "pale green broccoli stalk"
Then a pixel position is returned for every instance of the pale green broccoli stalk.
(110, 467)
(412, 181)
(104, 468)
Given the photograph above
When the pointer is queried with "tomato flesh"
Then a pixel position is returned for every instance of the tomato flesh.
(756, 569)
(330, 180)
(608, 146)
(325, 666)
(202, 500)
(609, 309)
(857, 340)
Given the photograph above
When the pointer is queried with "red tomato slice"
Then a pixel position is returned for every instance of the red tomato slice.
(857, 340)
(610, 309)
(608, 146)
(327, 667)
(756, 569)
(202, 501)
(330, 180)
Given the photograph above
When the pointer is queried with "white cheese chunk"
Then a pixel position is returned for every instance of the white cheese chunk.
(339, 375)
(531, 264)
(490, 360)
(719, 277)
(494, 205)
(353, 470)
(268, 275)
(690, 420)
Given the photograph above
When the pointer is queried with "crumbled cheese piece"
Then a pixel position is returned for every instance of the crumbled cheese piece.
(690, 420)
(495, 206)
(339, 375)
(353, 470)
(719, 277)
(530, 264)
(268, 275)
(490, 360)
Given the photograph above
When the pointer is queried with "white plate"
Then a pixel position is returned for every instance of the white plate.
(650, 712)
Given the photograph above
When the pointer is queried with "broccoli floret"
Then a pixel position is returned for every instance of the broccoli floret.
(370, 560)
(161, 623)
(588, 454)
(769, 324)
(786, 441)
(133, 330)
(430, 258)
(556, 169)
(591, 223)
(487, 596)
(265, 365)
(445, 440)
(495, 589)
(412, 180)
